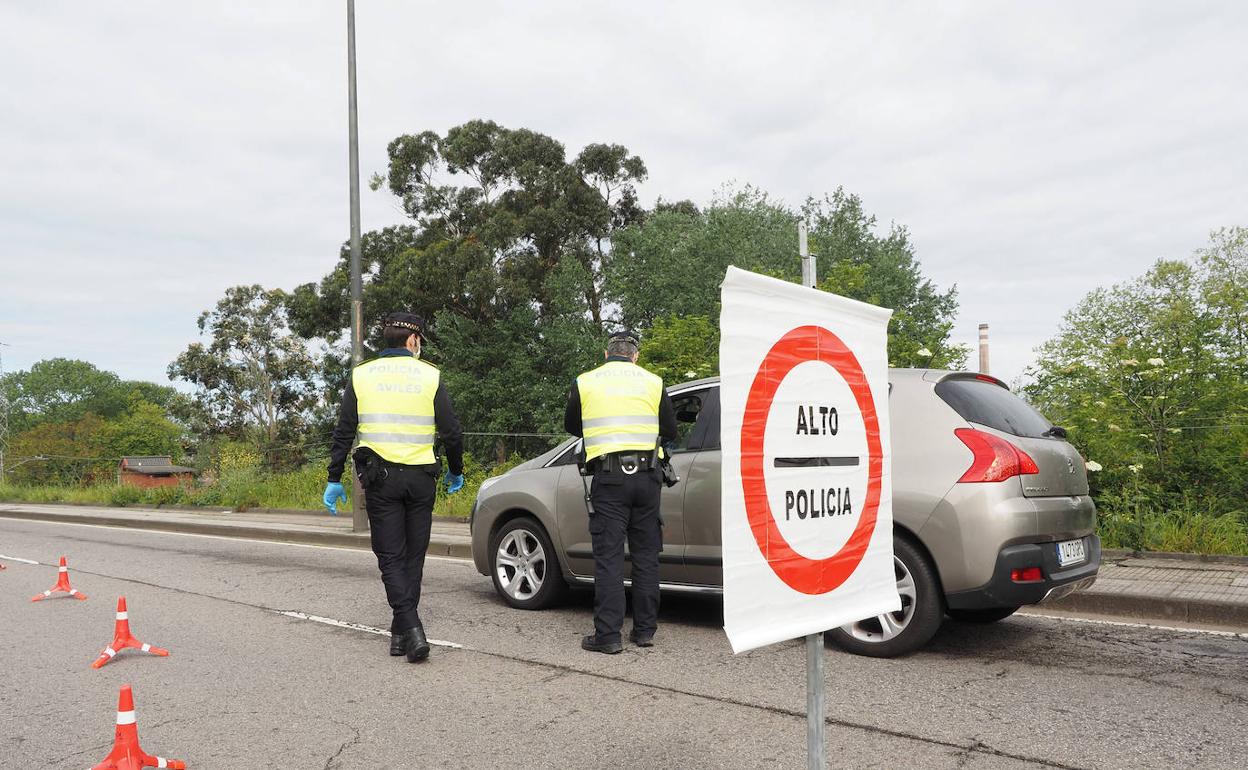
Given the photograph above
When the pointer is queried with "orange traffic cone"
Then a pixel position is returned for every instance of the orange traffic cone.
(122, 639)
(126, 754)
(62, 586)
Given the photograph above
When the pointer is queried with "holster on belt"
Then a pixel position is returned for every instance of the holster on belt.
(367, 465)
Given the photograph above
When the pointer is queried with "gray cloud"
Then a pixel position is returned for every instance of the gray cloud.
(156, 153)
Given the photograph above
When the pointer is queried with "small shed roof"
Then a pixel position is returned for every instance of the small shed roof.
(153, 466)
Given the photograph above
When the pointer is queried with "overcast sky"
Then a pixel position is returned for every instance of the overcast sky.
(156, 153)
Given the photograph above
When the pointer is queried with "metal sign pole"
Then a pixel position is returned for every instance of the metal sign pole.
(814, 702)
(814, 642)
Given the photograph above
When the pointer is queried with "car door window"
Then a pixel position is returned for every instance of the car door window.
(697, 419)
(706, 432)
(568, 457)
(687, 405)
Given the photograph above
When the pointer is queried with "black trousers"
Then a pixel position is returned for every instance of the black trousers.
(400, 515)
(625, 506)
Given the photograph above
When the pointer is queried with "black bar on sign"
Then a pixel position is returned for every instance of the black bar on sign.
(816, 462)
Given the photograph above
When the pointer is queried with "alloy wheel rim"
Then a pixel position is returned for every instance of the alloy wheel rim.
(520, 564)
(888, 626)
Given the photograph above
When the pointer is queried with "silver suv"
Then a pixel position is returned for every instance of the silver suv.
(990, 508)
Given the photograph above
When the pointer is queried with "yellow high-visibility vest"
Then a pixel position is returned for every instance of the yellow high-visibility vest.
(395, 406)
(619, 408)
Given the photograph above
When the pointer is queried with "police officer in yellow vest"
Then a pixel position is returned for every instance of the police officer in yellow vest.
(621, 410)
(397, 403)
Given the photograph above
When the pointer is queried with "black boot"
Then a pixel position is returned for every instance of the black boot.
(398, 643)
(642, 638)
(593, 644)
(417, 645)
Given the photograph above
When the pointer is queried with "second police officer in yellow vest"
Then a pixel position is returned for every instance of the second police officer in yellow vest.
(621, 410)
(397, 403)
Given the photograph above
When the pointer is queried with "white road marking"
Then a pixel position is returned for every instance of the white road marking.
(16, 559)
(358, 627)
(1127, 624)
(450, 559)
(287, 613)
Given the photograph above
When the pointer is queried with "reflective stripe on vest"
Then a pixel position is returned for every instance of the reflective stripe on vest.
(619, 408)
(395, 405)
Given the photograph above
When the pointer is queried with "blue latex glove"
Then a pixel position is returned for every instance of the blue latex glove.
(333, 493)
(453, 483)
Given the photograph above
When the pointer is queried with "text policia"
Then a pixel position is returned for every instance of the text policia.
(817, 503)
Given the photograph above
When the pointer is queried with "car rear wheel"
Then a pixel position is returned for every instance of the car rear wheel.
(990, 615)
(898, 633)
(524, 567)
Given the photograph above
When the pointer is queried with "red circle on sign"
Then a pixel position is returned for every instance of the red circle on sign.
(809, 576)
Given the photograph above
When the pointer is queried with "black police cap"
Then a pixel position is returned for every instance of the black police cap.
(626, 335)
(406, 321)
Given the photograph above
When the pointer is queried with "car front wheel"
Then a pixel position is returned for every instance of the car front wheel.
(524, 567)
(898, 633)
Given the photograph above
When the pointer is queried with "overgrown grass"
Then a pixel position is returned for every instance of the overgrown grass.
(1141, 519)
(1177, 531)
(244, 489)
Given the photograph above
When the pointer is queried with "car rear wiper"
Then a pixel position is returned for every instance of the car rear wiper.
(1056, 431)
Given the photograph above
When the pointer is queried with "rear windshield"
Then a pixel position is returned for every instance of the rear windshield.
(989, 404)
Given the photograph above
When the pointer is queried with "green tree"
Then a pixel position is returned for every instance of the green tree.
(63, 390)
(69, 452)
(1223, 268)
(681, 348)
(507, 254)
(253, 377)
(503, 207)
(857, 262)
(1148, 377)
(524, 258)
(138, 392)
(671, 265)
(1129, 369)
(144, 430)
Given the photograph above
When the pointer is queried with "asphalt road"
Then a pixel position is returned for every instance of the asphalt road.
(248, 687)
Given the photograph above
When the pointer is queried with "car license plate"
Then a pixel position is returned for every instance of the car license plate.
(1070, 552)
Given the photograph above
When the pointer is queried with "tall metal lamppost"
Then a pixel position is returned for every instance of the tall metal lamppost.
(359, 517)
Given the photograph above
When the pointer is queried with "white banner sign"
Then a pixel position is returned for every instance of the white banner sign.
(807, 480)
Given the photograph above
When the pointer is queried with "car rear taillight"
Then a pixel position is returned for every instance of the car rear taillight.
(1026, 575)
(995, 459)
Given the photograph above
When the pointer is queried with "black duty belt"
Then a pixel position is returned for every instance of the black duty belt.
(627, 463)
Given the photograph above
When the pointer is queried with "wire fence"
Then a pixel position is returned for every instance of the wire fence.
(488, 448)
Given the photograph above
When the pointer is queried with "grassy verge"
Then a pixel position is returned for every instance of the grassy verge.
(242, 490)
(1142, 517)
(1175, 531)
